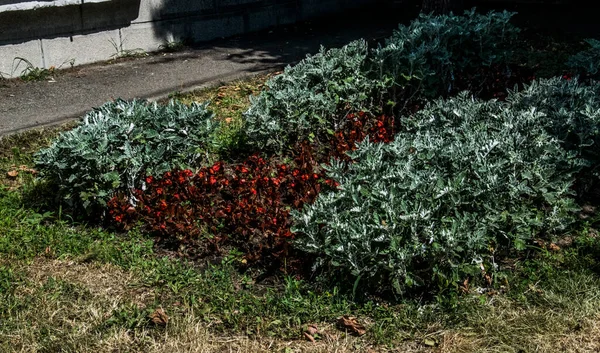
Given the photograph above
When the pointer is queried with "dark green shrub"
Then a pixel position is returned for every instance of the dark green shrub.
(463, 181)
(120, 142)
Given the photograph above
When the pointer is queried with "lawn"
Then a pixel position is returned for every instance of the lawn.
(76, 284)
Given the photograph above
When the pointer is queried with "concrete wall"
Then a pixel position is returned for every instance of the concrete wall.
(61, 33)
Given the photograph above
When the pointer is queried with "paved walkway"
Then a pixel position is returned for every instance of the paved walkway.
(73, 92)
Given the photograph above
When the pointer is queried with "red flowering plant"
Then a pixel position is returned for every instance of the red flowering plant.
(245, 205)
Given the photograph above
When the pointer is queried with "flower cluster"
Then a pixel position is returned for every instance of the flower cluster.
(359, 126)
(245, 205)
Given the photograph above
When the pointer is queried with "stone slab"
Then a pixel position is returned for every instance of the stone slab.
(11, 66)
(81, 49)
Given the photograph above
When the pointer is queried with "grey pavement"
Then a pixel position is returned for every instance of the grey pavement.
(72, 92)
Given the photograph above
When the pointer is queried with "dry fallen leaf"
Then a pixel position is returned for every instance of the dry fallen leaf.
(351, 323)
(312, 329)
(554, 247)
(565, 242)
(12, 174)
(159, 317)
(310, 332)
(309, 337)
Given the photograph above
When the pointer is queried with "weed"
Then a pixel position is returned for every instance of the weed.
(171, 46)
(121, 53)
(31, 72)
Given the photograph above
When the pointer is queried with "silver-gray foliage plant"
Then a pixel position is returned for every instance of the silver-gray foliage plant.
(304, 99)
(463, 179)
(119, 143)
(310, 99)
(587, 61)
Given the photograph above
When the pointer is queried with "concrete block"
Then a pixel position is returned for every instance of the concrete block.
(24, 25)
(12, 67)
(223, 4)
(314, 8)
(154, 10)
(81, 49)
(207, 29)
(143, 36)
(274, 15)
(108, 15)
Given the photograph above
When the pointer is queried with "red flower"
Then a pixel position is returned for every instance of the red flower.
(159, 191)
(119, 218)
(162, 205)
(187, 173)
(168, 182)
(253, 191)
(167, 175)
(181, 179)
(215, 168)
(212, 180)
(149, 179)
(244, 169)
(201, 175)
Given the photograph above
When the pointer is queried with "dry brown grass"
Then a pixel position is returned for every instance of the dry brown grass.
(67, 315)
(68, 302)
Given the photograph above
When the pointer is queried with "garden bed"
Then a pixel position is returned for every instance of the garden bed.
(242, 216)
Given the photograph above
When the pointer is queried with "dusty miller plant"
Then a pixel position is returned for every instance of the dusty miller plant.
(572, 115)
(308, 100)
(588, 61)
(301, 102)
(424, 57)
(463, 181)
(117, 144)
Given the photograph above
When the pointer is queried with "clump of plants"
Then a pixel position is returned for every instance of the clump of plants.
(463, 183)
(243, 205)
(572, 110)
(308, 100)
(424, 60)
(428, 57)
(119, 143)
